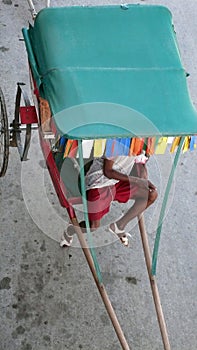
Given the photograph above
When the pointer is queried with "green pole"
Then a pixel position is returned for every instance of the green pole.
(163, 208)
(83, 191)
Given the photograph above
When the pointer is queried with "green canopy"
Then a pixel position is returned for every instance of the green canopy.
(111, 71)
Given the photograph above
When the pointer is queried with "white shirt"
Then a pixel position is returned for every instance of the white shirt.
(95, 177)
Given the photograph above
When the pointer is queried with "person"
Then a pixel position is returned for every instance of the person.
(113, 179)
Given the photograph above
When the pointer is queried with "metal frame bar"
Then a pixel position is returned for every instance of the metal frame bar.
(84, 200)
(163, 208)
(32, 9)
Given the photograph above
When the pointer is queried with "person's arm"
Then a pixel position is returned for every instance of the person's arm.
(114, 174)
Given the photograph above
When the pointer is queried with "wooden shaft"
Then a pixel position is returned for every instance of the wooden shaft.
(153, 283)
(100, 287)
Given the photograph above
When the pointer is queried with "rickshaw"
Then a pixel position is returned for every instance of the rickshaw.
(102, 74)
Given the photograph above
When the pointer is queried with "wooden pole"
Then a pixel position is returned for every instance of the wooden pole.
(100, 286)
(153, 283)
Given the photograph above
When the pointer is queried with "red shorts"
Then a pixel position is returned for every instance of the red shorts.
(99, 199)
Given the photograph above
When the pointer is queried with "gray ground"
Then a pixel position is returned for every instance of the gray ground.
(48, 297)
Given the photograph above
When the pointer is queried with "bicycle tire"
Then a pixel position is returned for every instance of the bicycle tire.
(4, 136)
(23, 146)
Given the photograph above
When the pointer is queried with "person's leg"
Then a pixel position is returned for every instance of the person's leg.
(143, 199)
(153, 194)
(68, 234)
(99, 200)
(94, 224)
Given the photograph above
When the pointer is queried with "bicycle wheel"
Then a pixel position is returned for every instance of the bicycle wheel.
(4, 136)
(21, 135)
